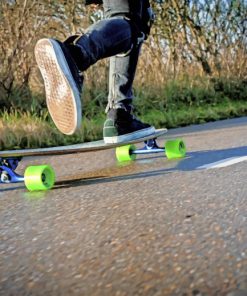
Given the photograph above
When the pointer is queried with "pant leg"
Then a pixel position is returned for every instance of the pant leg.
(104, 39)
(123, 68)
(108, 38)
(116, 7)
(121, 76)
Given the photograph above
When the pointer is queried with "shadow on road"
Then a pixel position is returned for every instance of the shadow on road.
(192, 162)
(107, 179)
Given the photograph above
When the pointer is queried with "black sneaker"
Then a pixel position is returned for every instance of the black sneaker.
(63, 84)
(122, 126)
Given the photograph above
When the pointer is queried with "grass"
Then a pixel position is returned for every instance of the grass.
(24, 130)
(179, 103)
(196, 115)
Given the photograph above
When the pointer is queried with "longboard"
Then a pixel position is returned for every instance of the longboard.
(77, 148)
(42, 177)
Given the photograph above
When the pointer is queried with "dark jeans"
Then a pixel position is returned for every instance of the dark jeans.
(112, 37)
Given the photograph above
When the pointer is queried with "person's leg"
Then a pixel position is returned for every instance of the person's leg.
(121, 125)
(121, 75)
(104, 39)
(60, 64)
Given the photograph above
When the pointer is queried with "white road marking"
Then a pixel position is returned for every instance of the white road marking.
(223, 163)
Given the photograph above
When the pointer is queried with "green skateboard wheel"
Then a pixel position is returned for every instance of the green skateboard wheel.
(40, 177)
(175, 149)
(123, 153)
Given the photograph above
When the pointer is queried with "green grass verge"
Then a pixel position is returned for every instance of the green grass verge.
(196, 115)
(27, 130)
(178, 103)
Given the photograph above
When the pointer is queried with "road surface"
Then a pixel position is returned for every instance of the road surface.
(152, 227)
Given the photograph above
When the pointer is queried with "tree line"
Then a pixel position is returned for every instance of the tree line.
(206, 38)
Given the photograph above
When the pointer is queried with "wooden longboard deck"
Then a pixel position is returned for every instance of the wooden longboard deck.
(77, 148)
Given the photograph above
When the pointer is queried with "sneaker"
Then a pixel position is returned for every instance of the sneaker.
(122, 126)
(63, 84)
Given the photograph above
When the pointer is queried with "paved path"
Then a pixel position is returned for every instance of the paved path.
(153, 227)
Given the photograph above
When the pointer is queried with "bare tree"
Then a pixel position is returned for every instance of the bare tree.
(189, 36)
(22, 23)
(202, 31)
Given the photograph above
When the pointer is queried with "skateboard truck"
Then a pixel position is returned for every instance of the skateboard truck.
(7, 170)
(151, 146)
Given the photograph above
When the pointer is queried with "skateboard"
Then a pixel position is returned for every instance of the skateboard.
(42, 177)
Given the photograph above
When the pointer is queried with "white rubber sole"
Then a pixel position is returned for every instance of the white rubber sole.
(130, 137)
(62, 95)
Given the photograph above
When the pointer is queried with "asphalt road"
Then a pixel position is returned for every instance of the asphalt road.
(152, 227)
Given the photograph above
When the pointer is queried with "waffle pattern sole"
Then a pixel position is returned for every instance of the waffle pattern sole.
(62, 95)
